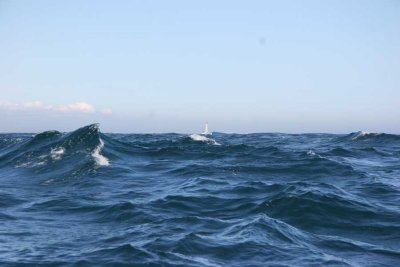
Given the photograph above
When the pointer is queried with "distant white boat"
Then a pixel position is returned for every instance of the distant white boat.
(206, 131)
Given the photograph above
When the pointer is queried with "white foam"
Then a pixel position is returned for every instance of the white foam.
(311, 153)
(198, 137)
(198, 259)
(202, 138)
(18, 140)
(22, 165)
(30, 164)
(100, 159)
(360, 134)
(56, 153)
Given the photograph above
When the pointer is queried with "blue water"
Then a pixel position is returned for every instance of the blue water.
(88, 198)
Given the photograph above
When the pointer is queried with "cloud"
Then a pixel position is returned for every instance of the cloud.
(82, 107)
(34, 105)
(17, 106)
(106, 110)
(78, 106)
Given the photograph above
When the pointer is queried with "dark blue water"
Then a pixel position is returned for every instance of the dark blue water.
(88, 198)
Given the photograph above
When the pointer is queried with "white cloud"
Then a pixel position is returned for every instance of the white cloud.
(106, 110)
(23, 106)
(78, 106)
(34, 105)
(82, 107)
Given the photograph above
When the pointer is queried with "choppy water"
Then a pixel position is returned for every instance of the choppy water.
(87, 198)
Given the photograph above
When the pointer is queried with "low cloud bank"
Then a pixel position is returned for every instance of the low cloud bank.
(82, 107)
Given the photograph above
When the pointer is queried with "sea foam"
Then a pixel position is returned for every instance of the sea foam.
(100, 159)
(202, 138)
(56, 153)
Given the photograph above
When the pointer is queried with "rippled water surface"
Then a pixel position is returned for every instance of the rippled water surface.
(88, 198)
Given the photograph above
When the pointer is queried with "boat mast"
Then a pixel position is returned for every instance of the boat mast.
(206, 128)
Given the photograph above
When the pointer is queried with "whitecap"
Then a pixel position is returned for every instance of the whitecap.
(363, 134)
(359, 135)
(100, 159)
(311, 153)
(30, 164)
(202, 138)
(56, 153)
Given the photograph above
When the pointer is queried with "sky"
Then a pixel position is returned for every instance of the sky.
(170, 66)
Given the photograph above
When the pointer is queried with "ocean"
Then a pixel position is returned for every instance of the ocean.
(88, 198)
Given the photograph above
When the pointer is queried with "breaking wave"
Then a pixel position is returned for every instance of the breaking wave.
(51, 147)
(203, 138)
(362, 135)
(100, 159)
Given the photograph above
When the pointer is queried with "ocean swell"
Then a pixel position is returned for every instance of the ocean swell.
(88, 198)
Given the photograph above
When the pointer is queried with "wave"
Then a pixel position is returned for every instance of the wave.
(50, 147)
(202, 138)
(182, 200)
(361, 134)
(367, 136)
(56, 153)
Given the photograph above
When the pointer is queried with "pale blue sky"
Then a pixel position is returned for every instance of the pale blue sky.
(169, 66)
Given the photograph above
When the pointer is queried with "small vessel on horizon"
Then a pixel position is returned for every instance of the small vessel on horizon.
(206, 131)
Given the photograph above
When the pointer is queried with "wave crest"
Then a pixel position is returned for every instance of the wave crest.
(202, 138)
(50, 147)
(367, 136)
